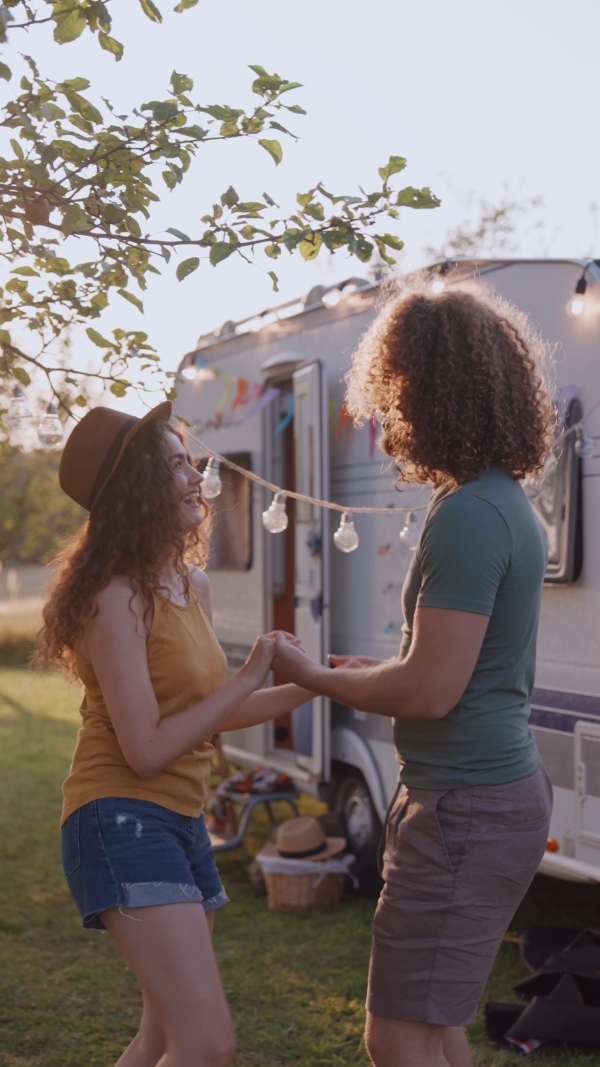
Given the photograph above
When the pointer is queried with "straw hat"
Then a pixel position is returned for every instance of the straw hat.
(303, 838)
(95, 448)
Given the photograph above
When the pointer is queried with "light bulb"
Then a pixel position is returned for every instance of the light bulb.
(576, 304)
(332, 298)
(345, 537)
(211, 484)
(410, 535)
(438, 286)
(19, 414)
(275, 518)
(584, 446)
(50, 431)
(189, 372)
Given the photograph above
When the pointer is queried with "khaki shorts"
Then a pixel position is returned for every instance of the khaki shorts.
(457, 863)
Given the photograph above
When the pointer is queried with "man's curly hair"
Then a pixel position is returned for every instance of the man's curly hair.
(133, 527)
(456, 382)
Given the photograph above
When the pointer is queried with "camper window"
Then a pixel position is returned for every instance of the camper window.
(559, 507)
(231, 537)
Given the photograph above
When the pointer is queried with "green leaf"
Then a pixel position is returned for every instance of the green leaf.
(181, 83)
(310, 247)
(187, 267)
(74, 220)
(5, 72)
(82, 106)
(184, 5)
(274, 279)
(16, 147)
(230, 197)
(70, 21)
(395, 165)
(419, 198)
(229, 129)
(132, 299)
(119, 388)
(133, 226)
(21, 375)
(272, 251)
(110, 45)
(223, 114)
(75, 83)
(391, 241)
(274, 149)
(151, 10)
(51, 111)
(221, 250)
(178, 233)
(169, 179)
(362, 249)
(29, 272)
(97, 338)
(80, 401)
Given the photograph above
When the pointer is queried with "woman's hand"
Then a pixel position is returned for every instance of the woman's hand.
(260, 660)
(355, 662)
(292, 662)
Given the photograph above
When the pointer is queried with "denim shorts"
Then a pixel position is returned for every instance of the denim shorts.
(120, 853)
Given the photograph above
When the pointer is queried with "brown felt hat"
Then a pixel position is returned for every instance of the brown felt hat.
(95, 448)
(303, 838)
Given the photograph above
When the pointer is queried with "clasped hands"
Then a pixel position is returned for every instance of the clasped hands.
(282, 652)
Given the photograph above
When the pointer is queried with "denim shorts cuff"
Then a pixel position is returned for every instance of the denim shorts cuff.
(214, 903)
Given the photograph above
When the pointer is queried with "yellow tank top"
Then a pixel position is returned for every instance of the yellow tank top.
(186, 664)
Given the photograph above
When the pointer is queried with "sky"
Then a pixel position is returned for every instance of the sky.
(479, 97)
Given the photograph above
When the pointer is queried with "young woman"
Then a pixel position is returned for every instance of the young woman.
(130, 615)
(458, 390)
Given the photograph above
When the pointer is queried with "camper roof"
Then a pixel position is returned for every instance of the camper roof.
(354, 293)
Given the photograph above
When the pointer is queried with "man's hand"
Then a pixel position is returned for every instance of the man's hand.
(292, 662)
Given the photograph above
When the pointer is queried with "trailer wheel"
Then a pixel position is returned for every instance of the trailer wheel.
(350, 799)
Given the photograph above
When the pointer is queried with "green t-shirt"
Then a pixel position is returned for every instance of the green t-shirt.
(482, 550)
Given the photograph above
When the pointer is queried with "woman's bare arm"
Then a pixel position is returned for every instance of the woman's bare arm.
(267, 704)
(115, 642)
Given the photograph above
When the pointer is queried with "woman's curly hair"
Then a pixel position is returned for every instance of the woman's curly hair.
(133, 526)
(456, 381)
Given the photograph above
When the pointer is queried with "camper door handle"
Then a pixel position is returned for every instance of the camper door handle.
(314, 542)
(316, 607)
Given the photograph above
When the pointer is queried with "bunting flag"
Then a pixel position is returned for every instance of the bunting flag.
(373, 427)
(342, 421)
(242, 389)
(287, 418)
(267, 397)
(228, 387)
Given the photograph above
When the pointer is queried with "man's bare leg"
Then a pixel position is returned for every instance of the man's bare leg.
(394, 1043)
(456, 1047)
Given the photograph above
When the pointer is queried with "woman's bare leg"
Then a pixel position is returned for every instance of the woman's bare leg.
(149, 1044)
(170, 952)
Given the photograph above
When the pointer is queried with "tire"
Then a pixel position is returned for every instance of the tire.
(351, 801)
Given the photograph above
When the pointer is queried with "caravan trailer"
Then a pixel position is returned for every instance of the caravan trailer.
(267, 393)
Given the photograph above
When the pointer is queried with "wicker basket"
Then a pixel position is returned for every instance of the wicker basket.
(298, 892)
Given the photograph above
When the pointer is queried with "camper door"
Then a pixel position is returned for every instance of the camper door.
(311, 722)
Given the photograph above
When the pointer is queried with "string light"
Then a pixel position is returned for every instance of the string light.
(345, 537)
(211, 484)
(410, 534)
(275, 518)
(584, 446)
(50, 431)
(19, 416)
(576, 304)
(438, 284)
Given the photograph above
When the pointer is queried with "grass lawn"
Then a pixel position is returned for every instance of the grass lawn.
(296, 983)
